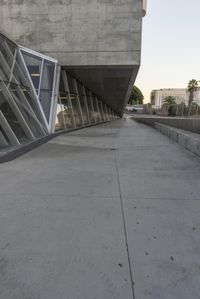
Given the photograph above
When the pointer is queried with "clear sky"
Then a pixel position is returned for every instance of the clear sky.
(171, 45)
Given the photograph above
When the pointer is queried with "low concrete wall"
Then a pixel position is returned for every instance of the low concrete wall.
(188, 140)
(188, 124)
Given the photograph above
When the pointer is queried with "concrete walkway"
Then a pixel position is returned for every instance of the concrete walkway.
(101, 213)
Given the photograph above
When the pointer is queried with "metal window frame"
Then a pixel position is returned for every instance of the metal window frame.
(9, 97)
(86, 104)
(62, 113)
(98, 109)
(8, 130)
(69, 101)
(106, 110)
(93, 110)
(75, 89)
(54, 96)
(13, 100)
(14, 63)
(34, 92)
(102, 111)
(16, 111)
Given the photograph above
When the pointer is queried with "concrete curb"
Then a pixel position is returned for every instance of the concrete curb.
(188, 140)
(187, 124)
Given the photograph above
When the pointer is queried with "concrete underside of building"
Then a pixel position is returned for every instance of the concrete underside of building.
(69, 209)
(98, 42)
(65, 64)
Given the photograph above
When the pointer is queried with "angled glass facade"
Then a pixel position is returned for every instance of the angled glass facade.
(38, 97)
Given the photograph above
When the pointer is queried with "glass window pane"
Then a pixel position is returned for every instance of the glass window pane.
(2, 75)
(45, 100)
(67, 106)
(90, 106)
(22, 77)
(48, 75)
(100, 110)
(82, 103)
(6, 52)
(75, 106)
(12, 120)
(28, 115)
(47, 87)
(59, 118)
(96, 110)
(11, 45)
(76, 111)
(20, 74)
(34, 65)
(32, 102)
(67, 111)
(4, 141)
(5, 71)
(61, 87)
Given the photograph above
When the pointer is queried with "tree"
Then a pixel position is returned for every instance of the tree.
(169, 101)
(136, 96)
(192, 87)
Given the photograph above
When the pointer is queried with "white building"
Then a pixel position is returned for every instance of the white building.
(180, 94)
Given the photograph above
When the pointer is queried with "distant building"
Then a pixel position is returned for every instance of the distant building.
(136, 108)
(180, 94)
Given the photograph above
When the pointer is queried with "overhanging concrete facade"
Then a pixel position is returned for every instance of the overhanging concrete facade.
(37, 97)
(98, 42)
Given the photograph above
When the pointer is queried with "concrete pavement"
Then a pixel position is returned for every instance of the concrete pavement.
(110, 211)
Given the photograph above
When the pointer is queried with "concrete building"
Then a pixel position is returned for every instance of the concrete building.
(180, 94)
(83, 61)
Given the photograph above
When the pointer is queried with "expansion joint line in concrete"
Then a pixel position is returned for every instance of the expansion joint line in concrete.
(123, 219)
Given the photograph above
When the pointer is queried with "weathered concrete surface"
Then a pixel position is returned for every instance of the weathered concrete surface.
(161, 195)
(78, 32)
(184, 123)
(99, 41)
(61, 217)
(190, 141)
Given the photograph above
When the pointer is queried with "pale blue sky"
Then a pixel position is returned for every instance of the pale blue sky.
(171, 45)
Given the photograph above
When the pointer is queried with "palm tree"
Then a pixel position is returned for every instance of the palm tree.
(192, 87)
(169, 101)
